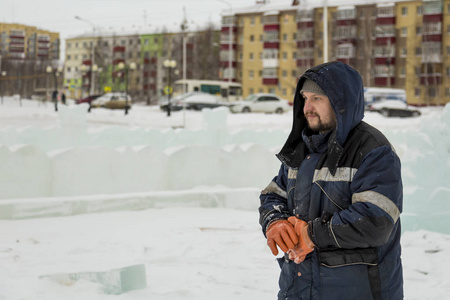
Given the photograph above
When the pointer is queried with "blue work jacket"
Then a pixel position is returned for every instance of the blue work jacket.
(350, 194)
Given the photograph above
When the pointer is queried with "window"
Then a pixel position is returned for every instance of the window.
(418, 50)
(447, 92)
(432, 92)
(284, 55)
(252, 21)
(402, 72)
(252, 38)
(284, 73)
(419, 10)
(404, 11)
(417, 92)
(211, 89)
(251, 55)
(419, 30)
(284, 37)
(250, 91)
(68, 57)
(404, 31)
(403, 52)
(251, 74)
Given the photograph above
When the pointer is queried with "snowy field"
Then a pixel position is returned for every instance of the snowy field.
(84, 195)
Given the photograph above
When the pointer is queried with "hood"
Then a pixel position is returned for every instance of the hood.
(343, 86)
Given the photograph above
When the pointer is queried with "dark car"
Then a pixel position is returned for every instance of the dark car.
(393, 108)
(87, 100)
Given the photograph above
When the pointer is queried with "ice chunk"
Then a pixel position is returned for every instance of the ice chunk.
(116, 281)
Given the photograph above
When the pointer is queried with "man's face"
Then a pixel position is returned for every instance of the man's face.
(318, 112)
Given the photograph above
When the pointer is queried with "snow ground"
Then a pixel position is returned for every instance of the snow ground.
(209, 248)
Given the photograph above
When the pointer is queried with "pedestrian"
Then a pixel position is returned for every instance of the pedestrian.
(334, 207)
(63, 98)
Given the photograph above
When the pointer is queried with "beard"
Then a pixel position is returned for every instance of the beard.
(319, 124)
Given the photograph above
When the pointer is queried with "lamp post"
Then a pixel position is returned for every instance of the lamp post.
(91, 86)
(2, 74)
(169, 64)
(122, 66)
(56, 72)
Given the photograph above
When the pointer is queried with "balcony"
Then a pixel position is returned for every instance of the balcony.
(431, 79)
(305, 62)
(270, 81)
(119, 49)
(270, 63)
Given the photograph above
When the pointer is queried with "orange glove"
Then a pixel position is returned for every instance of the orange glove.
(281, 233)
(305, 245)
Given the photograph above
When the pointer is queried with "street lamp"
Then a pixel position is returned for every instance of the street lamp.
(169, 64)
(121, 66)
(56, 72)
(2, 74)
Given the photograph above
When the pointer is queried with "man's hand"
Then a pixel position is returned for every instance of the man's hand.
(281, 233)
(305, 245)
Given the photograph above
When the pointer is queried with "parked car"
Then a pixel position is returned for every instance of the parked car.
(268, 103)
(393, 108)
(87, 99)
(112, 101)
(194, 101)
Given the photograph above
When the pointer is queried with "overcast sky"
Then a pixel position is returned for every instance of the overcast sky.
(59, 15)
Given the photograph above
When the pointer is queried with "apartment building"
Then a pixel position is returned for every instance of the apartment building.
(19, 41)
(397, 44)
(93, 62)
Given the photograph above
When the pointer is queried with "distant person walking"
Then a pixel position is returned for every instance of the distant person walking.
(63, 98)
(334, 207)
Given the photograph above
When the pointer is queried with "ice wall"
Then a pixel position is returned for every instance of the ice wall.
(69, 161)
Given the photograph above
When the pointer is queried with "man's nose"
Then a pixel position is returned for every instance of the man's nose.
(308, 106)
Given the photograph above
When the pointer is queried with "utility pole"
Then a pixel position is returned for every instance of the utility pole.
(184, 27)
(325, 31)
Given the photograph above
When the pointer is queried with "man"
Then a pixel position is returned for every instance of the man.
(334, 206)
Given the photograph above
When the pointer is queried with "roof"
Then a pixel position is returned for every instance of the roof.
(283, 5)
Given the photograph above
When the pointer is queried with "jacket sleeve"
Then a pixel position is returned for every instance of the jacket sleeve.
(274, 200)
(375, 208)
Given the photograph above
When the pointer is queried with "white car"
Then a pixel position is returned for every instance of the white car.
(393, 108)
(267, 103)
(113, 101)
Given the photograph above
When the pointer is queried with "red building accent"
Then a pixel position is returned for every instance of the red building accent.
(349, 22)
(432, 38)
(384, 40)
(270, 81)
(385, 20)
(271, 45)
(271, 27)
(119, 49)
(431, 79)
(225, 47)
(383, 81)
(384, 61)
(305, 24)
(432, 18)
